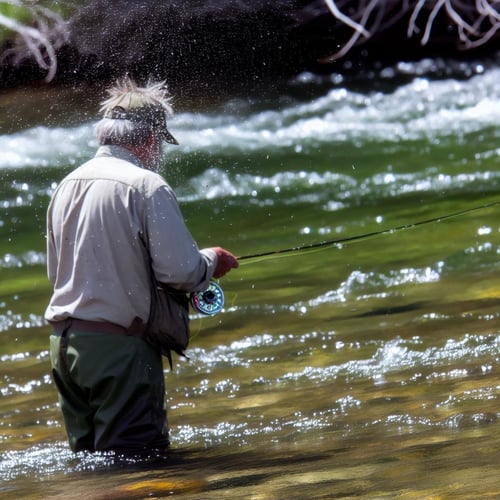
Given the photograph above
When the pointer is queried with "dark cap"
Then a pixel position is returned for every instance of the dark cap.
(154, 116)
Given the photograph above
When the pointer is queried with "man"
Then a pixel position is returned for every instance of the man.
(110, 224)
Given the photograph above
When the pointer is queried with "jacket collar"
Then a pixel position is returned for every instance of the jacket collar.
(119, 152)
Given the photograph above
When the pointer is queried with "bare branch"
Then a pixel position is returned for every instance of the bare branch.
(41, 42)
(475, 22)
(354, 38)
(432, 17)
(458, 19)
(360, 29)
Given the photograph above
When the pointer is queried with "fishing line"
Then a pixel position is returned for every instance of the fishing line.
(211, 301)
(364, 236)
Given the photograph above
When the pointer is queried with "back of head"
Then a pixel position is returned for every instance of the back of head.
(132, 113)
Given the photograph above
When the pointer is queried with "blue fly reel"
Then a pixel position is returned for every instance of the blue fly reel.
(209, 302)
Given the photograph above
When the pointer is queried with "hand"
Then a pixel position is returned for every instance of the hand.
(225, 262)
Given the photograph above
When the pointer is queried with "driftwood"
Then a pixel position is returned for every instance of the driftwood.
(476, 22)
(40, 41)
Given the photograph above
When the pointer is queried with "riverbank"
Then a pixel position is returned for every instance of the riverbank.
(227, 47)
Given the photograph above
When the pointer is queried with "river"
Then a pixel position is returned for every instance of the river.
(362, 368)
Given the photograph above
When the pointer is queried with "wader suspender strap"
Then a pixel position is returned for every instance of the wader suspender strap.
(63, 358)
(63, 349)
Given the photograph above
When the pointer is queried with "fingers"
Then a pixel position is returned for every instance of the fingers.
(225, 262)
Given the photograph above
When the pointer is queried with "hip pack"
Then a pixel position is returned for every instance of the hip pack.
(167, 328)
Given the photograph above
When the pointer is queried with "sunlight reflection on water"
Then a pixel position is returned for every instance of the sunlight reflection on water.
(365, 369)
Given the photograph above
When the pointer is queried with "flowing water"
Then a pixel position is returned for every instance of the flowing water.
(366, 368)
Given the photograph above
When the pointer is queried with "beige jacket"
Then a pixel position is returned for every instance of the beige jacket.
(100, 220)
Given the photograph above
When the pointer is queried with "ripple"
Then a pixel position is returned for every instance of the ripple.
(11, 320)
(397, 355)
(43, 461)
(30, 258)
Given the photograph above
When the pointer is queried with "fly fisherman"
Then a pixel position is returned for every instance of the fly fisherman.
(114, 225)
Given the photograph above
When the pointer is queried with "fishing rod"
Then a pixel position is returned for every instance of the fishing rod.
(364, 236)
(211, 301)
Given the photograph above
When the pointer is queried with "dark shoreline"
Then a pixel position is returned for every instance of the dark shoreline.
(226, 47)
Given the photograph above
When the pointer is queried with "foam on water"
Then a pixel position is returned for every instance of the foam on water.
(331, 189)
(419, 109)
(46, 147)
(362, 285)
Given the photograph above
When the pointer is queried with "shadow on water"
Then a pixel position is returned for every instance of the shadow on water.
(111, 476)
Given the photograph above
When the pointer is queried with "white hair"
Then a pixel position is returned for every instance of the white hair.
(133, 113)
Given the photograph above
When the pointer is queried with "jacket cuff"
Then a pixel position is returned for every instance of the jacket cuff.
(211, 259)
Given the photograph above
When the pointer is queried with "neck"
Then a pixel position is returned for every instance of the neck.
(149, 153)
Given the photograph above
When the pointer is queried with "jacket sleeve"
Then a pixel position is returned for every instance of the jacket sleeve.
(175, 256)
(51, 248)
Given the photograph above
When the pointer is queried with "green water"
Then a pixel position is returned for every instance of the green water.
(368, 369)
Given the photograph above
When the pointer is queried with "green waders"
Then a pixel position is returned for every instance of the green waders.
(111, 391)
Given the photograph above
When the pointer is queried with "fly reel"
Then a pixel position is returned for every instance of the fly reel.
(210, 301)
